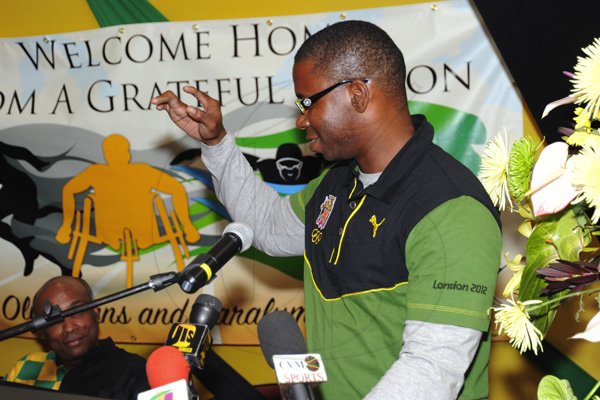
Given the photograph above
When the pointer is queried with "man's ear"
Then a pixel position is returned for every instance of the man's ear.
(360, 92)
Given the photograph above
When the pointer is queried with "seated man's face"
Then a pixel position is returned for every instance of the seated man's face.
(76, 335)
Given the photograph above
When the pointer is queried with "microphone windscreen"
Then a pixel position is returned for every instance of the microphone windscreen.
(278, 333)
(243, 232)
(206, 310)
(166, 365)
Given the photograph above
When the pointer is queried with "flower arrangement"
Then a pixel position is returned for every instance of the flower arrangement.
(556, 190)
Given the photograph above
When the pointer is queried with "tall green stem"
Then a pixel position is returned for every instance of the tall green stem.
(558, 299)
(591, 393)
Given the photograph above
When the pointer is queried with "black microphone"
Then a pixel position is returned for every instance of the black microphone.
(285, 351)
(194, 339)
(237, 237)
(216, 375)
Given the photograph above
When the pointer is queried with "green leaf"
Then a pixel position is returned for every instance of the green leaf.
(558, 236)
(552, 388)
(569, 236)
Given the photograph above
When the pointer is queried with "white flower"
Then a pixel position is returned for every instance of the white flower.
(586, 79)
(585, 175)
(514, 321)
(494, 171)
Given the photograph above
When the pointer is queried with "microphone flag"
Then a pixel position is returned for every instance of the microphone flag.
(192, 340)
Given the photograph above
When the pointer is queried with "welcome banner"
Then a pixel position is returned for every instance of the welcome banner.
(95, 181)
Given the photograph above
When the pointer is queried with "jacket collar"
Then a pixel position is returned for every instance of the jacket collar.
(400, 166)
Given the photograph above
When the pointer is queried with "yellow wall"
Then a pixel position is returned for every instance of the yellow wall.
(35, 17)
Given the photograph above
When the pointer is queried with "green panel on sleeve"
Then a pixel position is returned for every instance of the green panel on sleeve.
(453, 259)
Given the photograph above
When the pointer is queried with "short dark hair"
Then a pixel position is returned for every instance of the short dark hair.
(357, 49)
(50, 281)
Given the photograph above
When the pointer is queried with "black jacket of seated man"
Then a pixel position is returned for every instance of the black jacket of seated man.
(107, 371)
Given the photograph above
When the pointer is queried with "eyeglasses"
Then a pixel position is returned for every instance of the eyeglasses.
(305, 103)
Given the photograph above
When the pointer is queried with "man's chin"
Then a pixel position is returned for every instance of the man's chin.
(74, 353)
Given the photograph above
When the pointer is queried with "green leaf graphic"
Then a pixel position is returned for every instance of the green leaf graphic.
(455, 131)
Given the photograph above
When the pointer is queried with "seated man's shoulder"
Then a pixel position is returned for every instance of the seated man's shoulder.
(131, 357)
(122, 355)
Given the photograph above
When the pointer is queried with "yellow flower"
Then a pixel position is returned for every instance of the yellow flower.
(494, 171)
(586, 79)
(585, 175)
(516, 268)
(582, 139)
(582, 120)
(514, 321)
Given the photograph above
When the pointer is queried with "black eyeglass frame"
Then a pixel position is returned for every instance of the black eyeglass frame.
(304, 103)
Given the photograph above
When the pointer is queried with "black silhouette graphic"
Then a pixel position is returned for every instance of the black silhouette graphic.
(18, 198)
(289, 167)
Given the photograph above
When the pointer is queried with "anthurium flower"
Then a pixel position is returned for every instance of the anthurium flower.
(513, 319)
(592, 330)
(585, 171)
(551, 180)
(568, 275)
(494, 169)
(586, 79)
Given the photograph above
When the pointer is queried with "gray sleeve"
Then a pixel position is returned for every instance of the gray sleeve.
(277, 230)
(432, 363)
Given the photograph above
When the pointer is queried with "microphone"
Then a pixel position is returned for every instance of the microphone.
(168, 375)
(193, 339)
(237, 237)
(165, 365)
(285, 351)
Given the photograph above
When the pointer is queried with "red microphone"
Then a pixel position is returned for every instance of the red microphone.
(168, 375)
(165, 365)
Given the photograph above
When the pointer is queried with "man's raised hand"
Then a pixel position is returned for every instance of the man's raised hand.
(204, 124)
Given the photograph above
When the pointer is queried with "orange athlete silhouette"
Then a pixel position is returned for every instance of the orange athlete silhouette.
(123, 197)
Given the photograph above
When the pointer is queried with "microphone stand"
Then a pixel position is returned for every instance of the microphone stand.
(52, 314)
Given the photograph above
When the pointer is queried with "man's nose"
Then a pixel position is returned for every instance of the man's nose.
(69, 325)
(302, 122)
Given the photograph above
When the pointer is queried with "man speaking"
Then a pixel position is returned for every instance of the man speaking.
(384, 232)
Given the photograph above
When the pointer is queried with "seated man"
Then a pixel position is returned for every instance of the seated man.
(79, 362)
